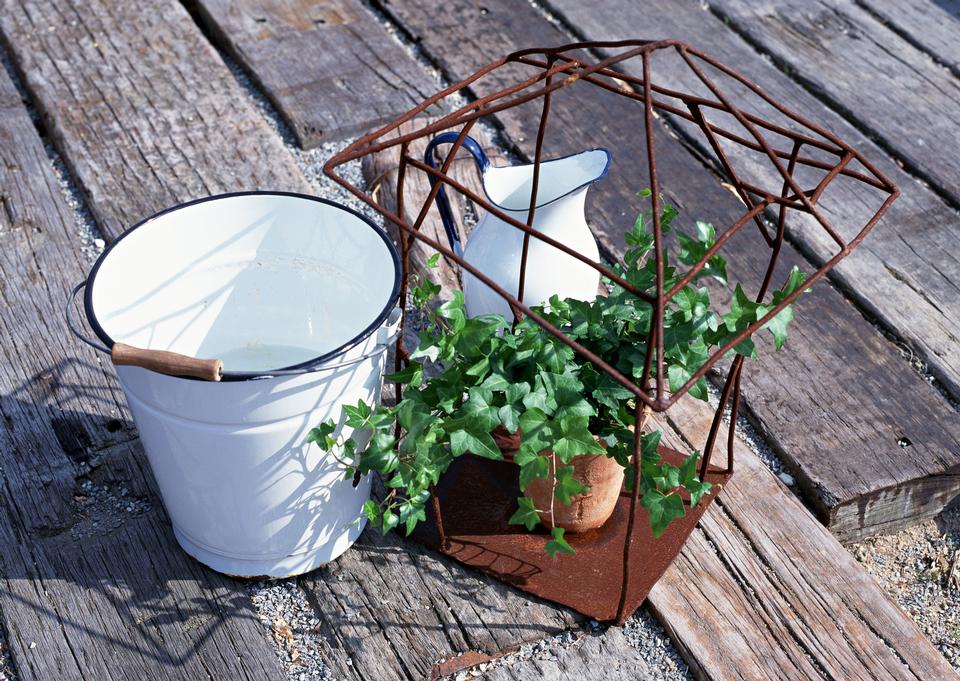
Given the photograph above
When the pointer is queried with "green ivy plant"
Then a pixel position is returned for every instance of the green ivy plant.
(470, 376)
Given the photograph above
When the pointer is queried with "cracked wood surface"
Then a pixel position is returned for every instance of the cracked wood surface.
(330, 68)
(902, 274)
(877, 79)
(392, 609)
(85, 594)
(836, 363)
(141, 106)
(762, 591)
(592, 656)
(380, 172)
(931, 26)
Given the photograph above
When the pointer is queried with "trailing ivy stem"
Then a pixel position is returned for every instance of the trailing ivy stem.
(553, 463)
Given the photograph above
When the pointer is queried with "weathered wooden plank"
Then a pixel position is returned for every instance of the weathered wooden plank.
(57, 408)
(905, 274)
(330, 67)
(599, 656)
(121, 601)
(141, 106)
(122, 598)
(838, 460)
(397, 609)
(931, 26)
(873, 76)
(888, 274)
(762, 590)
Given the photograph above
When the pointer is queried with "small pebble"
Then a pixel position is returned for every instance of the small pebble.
(786, 479)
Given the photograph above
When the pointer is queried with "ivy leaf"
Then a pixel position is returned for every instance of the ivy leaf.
(516, 392)
(575, 439)
(535, 433)
(526, 514)
(453, 311)
(411, 375)
(372, 510)
(479, 443)
(322, 435)
(495, 382)
(509, 418)
(690, 480)
(389, 520)
(777, 325)
(663, 509)
(480, 411)
(410, 513)
(358, 416)
(380, 455)
(558, 544)
(694, 249)
(537, 466)
(568, 486)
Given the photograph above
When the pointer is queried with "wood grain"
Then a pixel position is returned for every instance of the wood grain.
(170, 363)
(836, 403)
(380, 172)
(109, 595)
(141, 106)
(397, 609)
(329, 66)
(59, 408)
(874, 77)
(763, 591)
(599, 656)
(931, 26)
(906, 273)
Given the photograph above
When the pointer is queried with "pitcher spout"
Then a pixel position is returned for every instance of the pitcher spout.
(509, 187)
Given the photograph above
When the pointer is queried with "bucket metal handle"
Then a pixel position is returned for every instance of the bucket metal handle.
(175, 364)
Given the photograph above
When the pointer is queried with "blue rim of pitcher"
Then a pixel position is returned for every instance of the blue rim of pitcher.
(302, 366)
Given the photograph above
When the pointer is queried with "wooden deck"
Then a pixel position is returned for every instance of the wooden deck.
(144, 112)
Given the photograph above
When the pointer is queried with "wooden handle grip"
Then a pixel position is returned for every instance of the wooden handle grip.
(165, 362)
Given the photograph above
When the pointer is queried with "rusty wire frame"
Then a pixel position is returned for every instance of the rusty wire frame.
(558, 69)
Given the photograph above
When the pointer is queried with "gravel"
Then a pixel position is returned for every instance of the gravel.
(649, 638)
(283, 610)
(6, 664)
(101, 509)
(920, 568)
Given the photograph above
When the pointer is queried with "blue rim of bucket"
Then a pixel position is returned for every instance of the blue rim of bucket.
(247, 376)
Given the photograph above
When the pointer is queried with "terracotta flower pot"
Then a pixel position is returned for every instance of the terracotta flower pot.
(587, 511)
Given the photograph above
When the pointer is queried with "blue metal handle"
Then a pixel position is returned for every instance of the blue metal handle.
(443, 203)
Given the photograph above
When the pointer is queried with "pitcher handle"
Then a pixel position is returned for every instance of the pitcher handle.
(443, 203)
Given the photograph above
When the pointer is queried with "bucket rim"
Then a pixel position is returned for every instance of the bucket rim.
(302, 367)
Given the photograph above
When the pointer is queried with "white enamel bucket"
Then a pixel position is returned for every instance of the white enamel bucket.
(298, 297)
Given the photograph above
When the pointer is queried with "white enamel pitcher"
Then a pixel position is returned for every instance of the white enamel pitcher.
(495, 247)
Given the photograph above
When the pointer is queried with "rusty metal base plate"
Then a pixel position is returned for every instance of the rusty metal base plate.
(478, 496)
